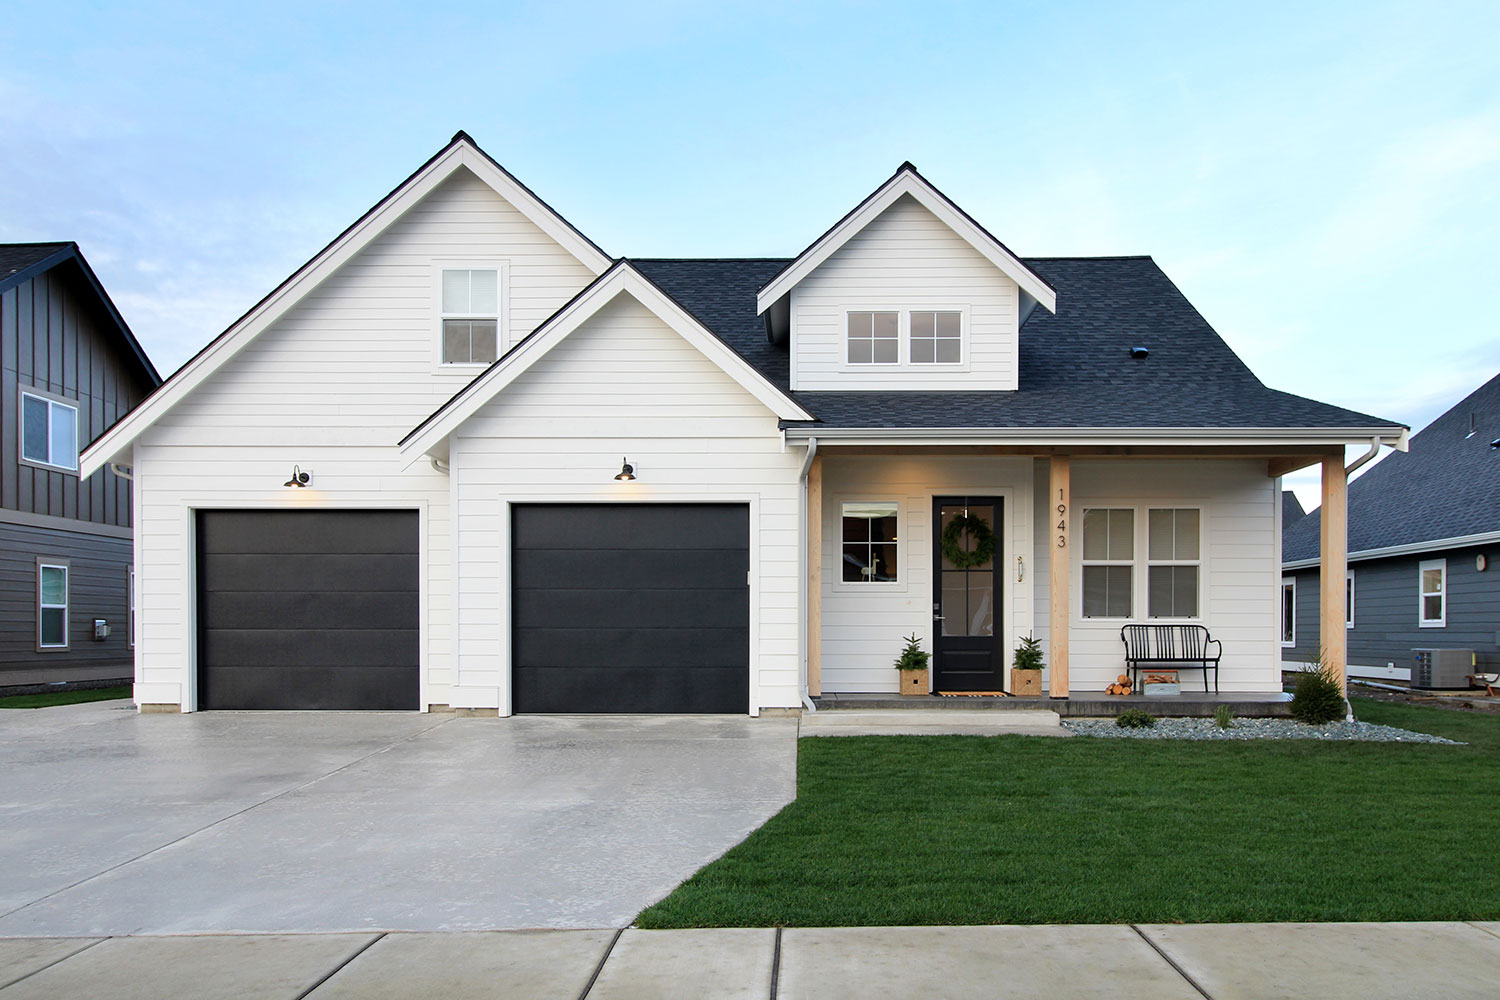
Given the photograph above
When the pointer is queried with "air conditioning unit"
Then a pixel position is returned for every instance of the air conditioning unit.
(1441, 668)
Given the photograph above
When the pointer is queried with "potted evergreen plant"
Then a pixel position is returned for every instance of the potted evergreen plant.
(912, 663)
(1026, 668)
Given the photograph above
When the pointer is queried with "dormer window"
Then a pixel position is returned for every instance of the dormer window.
(936, 338)
(874, 338)
(470, 315)
(916, 337)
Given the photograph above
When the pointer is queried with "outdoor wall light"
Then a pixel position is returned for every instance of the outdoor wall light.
(627, 471)
(299, 478)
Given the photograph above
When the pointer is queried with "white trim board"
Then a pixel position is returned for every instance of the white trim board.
(460, 153)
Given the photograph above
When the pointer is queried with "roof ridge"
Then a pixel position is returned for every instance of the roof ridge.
(1106, 256)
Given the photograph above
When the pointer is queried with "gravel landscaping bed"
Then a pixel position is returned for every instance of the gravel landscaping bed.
(1251, 729)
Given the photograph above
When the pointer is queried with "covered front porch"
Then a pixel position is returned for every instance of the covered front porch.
(1066, 544)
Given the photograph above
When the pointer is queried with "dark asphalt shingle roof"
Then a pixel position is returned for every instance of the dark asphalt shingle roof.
(1075, 365)
(1291, 509)
(19, 256)
(1446, 486)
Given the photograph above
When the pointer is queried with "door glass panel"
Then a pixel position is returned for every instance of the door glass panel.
(981, 618)
(968, 595)
(955, 602)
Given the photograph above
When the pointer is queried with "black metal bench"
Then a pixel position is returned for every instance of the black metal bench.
(1181, 646)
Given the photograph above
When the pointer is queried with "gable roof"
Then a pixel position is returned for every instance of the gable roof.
(1446, 488)
(461, 152)
(622, 278)
(906, 181)
(1291, 509)
(20, 262)
(1075, 370)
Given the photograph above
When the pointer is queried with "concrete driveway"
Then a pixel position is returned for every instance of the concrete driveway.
(117, 823)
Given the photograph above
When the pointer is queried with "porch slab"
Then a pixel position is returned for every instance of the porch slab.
(881, 722)
(1085, 704)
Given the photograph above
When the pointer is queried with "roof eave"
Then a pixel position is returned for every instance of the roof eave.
(1270, 436)
(1405, 549)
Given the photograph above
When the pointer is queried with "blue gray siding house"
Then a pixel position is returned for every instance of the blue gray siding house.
(1424, 540)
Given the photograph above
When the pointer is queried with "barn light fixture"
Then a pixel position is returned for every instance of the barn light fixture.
(627, 471)
(299, 478)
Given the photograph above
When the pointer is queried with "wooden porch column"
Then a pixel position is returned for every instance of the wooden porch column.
(815, 577)
(1334, 566)
(1059, 510)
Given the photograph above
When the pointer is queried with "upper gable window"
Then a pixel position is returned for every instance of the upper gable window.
(936, 338)
(874, 338)
(49, 432)
(471, 315)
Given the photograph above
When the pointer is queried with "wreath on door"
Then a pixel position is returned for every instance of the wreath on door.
(978, 533)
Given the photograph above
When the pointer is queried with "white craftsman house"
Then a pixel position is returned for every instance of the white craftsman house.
(464, 458)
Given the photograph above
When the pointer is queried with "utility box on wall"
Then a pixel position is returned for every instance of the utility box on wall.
(1441, 668)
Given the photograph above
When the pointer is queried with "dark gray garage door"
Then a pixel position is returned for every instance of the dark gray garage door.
(631, 608)
(308, 609)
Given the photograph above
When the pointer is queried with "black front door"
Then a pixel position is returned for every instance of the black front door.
(967, 594)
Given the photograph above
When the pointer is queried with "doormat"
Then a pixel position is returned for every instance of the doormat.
(974, 694)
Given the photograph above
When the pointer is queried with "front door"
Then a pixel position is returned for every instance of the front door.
(968, 547)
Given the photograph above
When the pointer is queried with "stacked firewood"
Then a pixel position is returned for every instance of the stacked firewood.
(1120, 686)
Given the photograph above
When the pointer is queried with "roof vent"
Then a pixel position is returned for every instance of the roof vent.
(1495, 443)
(1139, 352)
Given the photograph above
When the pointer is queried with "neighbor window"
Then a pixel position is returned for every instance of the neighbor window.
(936, 338)
(471, 316)
(1108, 562)
(1349, 600)
(873, 338)
(869, 542)
(130, 607)
(1288, 611)
(1172, 563)
(51, 605)
(1433, 575)
(49, 432)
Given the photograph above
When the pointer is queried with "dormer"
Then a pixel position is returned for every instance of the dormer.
(906, 292)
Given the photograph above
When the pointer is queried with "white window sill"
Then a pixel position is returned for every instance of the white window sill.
(1441, 624)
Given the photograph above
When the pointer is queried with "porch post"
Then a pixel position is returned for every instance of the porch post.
(815, 577)
(1334, 567)
(1059, 509)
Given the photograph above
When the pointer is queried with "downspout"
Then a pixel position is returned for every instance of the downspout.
(1354, 467)
(807, 460)
(440, 465)
(123, 471)
(1359, 462)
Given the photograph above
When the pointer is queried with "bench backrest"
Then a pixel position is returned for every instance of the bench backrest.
(1165, 642)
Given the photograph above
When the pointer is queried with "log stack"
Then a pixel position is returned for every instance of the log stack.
(1120, 686)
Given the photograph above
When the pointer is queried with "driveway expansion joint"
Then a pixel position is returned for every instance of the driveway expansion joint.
(56, 961)
(1172, 962)
(340, 967)
(600, 967)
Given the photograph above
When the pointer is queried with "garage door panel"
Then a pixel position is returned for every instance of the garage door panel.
(318, 571)
(716, 690)
(302, 688)
(617, 570)
(632, 647)
(611, 608)
(607, 527)
(331, 610)
(352, 648)
(285, 532)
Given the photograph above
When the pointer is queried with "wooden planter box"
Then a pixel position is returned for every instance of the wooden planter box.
(1026, 683)
(915, 682)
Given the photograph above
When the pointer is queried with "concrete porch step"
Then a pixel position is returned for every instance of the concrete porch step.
(932, 722)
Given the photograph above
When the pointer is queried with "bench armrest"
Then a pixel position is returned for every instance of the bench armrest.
(1218, 649)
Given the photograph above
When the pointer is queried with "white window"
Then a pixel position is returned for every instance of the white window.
(874, 338)
(471, 315)
(1288, 611)
(869, 545)
(1172, 563)
(1349, 599)
(51, 605)
(130, 607)
(936, 338)
(49, 432)
(1433, 596)
(1108, 562)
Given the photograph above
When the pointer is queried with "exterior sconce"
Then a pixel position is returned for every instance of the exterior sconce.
(627, 471)
(299, 478)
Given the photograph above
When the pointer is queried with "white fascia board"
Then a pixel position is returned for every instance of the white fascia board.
(907, 182)
(1409, 549)
(430, 438)
(1193, 436)
(116, 441)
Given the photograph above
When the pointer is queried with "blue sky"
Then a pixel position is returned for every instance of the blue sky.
(1320, 179)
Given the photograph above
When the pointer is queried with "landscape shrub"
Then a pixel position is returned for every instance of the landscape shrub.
(1135, 718)
(1224, 717)
(1316, 695)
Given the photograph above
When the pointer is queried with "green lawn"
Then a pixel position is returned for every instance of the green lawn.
(65, 697)
(902, 830)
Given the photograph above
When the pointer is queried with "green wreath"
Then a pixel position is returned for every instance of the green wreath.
(978, 531)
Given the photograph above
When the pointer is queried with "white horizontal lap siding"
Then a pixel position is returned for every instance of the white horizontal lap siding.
(864, 625)
(1238, 589)
(332, 387)
(624, 385)
(905, 259)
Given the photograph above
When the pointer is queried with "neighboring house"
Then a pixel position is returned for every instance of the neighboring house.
(1424, 536)
(71, 368)
(465, 458)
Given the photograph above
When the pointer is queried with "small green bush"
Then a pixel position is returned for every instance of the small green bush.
(912, 657)
(1316, 695)
(1135, 718)
(1224, 717)
(1028, 654)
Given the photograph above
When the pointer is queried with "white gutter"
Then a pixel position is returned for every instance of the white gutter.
(1361, 460)
(812, 451)
(1408, 549)
(1271, 436)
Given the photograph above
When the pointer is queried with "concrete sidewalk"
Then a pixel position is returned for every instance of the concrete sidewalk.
(1452, 961)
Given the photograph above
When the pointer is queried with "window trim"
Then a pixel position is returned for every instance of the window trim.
(1288, 582)
(1198, 563)
(863, 586)
(963, 340)
(1132, 563)
(42, 562)
(501, 267)
(903, 360)
(129, 607)
(1422, 620)
(51, 399)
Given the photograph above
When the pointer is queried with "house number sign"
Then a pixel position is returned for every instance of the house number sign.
(1062, 522)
